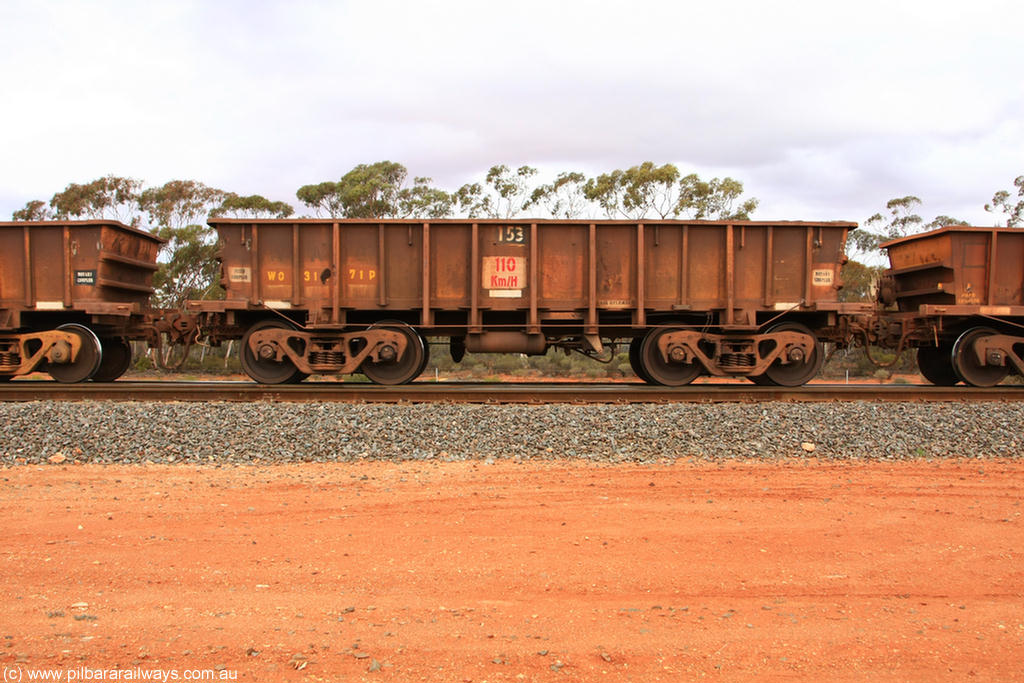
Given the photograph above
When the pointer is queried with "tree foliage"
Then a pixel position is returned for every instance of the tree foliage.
(34, 210)
(563, 197)
(382, 190)
(504, 193)
(943, 221)
(901, 221)
(1003, 202)
(111, 197)
(859, 281)
(179, 203)
(376, 191)
(423, 200)
(188, 266)
(252, 206)
(713, 199)
(367, 191)
(324, 198)
(635, 192)
(648, 190)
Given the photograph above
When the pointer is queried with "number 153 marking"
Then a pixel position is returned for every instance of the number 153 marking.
(512, 234)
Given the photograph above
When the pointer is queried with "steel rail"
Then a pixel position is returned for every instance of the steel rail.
(473, 392)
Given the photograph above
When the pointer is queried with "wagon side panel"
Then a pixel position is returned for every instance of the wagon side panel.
(664, 272)
(450, 266)
(112, 264)
(705, 267)
(236, 260)
(316, 269)
(48, 268)
(617, 267)
(14, 292)
(749, 249)
(564, 263)
(1008, 282)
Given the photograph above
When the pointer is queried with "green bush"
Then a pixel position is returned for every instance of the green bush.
(856, 362)
(554, 364)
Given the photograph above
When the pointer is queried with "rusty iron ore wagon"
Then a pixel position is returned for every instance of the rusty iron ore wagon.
(753, 299)
(959, 292)
(73, 295)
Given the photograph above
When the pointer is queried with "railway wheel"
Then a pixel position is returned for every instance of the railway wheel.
(398, 370)
(90, 355)
(657, 370)
(262, 366)
(634, 359)
(936, 365)
(426, 355)
(798, 371)
(117, 358)
(966, 364)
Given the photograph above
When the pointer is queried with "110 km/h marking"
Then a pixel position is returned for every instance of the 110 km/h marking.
(504, 276)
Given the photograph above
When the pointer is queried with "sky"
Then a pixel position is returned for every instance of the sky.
(824, 110)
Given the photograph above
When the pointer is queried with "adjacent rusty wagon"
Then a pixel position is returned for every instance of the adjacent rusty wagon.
(753, 299)
(72, 296)
(960, 298)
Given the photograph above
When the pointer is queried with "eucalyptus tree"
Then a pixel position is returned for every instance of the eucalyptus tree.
(378, 190)
(651, 191)
(250, 206)
(34, 210)
(188, 267)
(713, 199)
(110, 197)
(1003, 202)
(505, 193)
(563, 197)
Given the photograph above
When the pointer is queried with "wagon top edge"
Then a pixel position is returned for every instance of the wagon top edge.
(949, 229)
(86, 223)
(519, 221)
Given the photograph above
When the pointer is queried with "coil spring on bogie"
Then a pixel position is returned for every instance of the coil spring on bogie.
(329, 358)
(737, 360)
(10, 360)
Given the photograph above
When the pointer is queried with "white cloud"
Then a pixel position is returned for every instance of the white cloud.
(825, 110)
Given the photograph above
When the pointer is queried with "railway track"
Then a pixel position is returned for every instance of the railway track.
(476, 392)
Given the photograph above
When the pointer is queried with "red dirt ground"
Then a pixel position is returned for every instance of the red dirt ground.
(517, 572)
